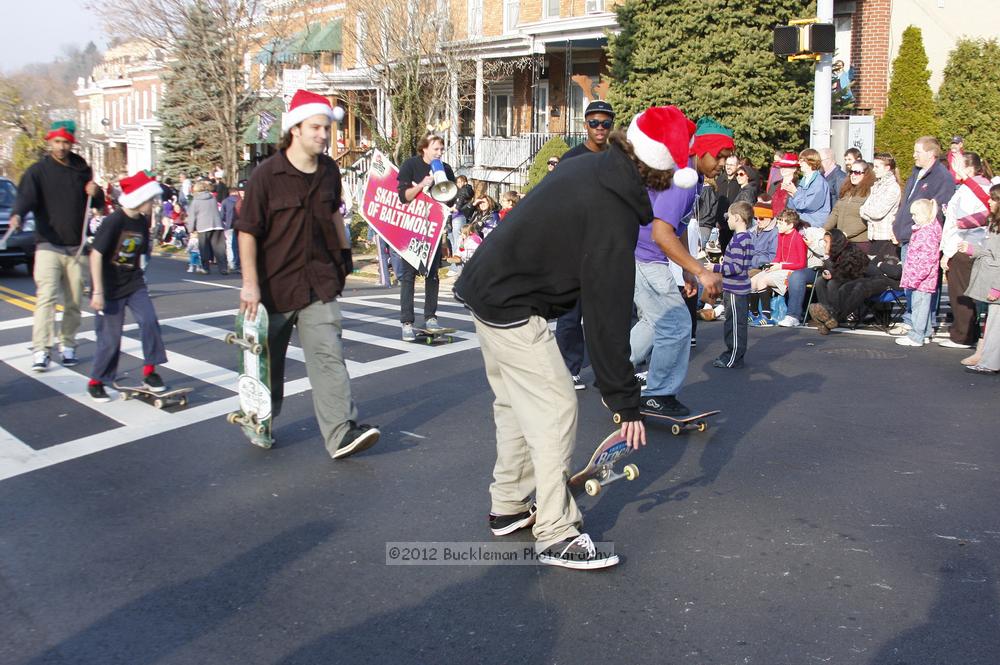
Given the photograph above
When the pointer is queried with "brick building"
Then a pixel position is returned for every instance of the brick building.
(117, 106)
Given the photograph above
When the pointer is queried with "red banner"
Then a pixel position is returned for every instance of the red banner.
(413, 229)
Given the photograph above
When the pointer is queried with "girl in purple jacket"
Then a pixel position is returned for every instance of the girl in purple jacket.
(920, 271)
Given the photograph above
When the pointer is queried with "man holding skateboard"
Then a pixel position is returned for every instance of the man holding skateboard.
(597, 204)
(295, 259)
(56, 189)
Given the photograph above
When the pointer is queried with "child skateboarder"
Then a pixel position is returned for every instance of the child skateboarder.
(117, 277)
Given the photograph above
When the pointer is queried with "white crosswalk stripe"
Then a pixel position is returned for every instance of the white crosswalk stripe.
(139, 420)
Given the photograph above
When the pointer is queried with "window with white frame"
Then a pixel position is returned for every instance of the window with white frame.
(501, 109)
(475, 27)
(361, 34)
(550, 8)
(542, 106)
(593, 6)
(511, 15)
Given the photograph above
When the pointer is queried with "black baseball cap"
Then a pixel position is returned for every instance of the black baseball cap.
(957, 139)
(599, 106)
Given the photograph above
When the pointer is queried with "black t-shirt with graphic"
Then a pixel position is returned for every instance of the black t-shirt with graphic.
(122, 242)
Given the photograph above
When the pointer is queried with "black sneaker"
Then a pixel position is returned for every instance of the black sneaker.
(40, 361)
(358, 438)
(666, 405)
(578, 383)
(578, 553)
(154, 383)
(502, 525)
(97, 392)
(694, 341)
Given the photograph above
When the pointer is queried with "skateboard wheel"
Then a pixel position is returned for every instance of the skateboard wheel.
(183, 401)
(631, 471)
(233, 418)
(258, 430)
(123, 396)
(593, 487)
(230, 338)
(158, 403)
(256, 349)
(702, 426)
(675, 429)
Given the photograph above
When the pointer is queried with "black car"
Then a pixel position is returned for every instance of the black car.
(20, 246)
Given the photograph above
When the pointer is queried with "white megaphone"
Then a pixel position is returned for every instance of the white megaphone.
(443, 190)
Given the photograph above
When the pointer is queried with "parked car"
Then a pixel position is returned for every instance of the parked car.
(20, 245)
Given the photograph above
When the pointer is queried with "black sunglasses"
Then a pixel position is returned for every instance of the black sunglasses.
(553, 162)
(861, 172)
(594, 124)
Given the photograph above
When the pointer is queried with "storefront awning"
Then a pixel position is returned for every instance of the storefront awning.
(328, 38)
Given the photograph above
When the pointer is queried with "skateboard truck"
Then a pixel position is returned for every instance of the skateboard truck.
(255, 348)
(250, 421)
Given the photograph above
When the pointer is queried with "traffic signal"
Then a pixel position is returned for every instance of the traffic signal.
(810, 38)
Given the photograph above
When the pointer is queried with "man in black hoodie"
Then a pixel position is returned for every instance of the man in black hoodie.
(572, 239)
(56, 189)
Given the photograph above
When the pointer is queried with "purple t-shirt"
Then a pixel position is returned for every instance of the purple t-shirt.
(674, 206)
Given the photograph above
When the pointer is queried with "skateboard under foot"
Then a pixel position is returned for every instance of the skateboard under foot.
(160, 399)
(430, 336)
(679, 425)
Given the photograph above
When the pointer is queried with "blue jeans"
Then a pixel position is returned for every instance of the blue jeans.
(920, 326)
(458, 222)
(663, 332)
(797, 280)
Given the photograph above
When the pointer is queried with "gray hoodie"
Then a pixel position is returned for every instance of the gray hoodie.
(203, 213)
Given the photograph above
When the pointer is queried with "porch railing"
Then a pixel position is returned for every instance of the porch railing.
(499, 152)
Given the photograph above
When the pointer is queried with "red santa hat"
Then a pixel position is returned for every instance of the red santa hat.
(137, 189)
(661, 138)
(306, 104)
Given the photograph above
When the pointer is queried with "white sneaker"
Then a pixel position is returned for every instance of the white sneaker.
(906, 341)
(69, 358)
(948, 344)
(190, 268)
(432, 324)
(40, 362)
(719, 311)
(408, 334)
(789, 322)
(899, 329)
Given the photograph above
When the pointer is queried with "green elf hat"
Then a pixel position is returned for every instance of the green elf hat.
(710, 136)
(65, 129)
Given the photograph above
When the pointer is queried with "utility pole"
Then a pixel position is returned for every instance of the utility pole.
(822, 97)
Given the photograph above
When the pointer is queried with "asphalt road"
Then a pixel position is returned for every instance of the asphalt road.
(842, 509)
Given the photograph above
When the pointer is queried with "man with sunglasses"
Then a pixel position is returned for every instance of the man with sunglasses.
(599, 118)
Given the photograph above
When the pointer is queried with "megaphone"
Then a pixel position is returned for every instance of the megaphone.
(443, 190)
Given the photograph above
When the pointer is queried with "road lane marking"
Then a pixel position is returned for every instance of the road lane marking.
(17, 303)
(141, 420)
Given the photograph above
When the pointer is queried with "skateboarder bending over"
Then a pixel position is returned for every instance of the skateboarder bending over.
(121, 243)
(295, 259)
(595, 204)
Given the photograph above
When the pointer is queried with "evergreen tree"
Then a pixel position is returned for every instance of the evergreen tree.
(714, 58)
(969, 98)
(189, 144)
(910, 112)
(554, 147)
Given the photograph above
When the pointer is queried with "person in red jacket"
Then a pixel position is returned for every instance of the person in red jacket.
(790, 256)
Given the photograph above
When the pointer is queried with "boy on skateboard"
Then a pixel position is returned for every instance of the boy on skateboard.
(116, 273)
(596, 203)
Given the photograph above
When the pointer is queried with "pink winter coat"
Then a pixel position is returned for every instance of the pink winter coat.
(920, 270)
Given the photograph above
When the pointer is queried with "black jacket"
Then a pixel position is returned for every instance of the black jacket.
(55, 194)
(574, 237)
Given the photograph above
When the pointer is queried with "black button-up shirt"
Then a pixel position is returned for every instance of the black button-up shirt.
(300, 232)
